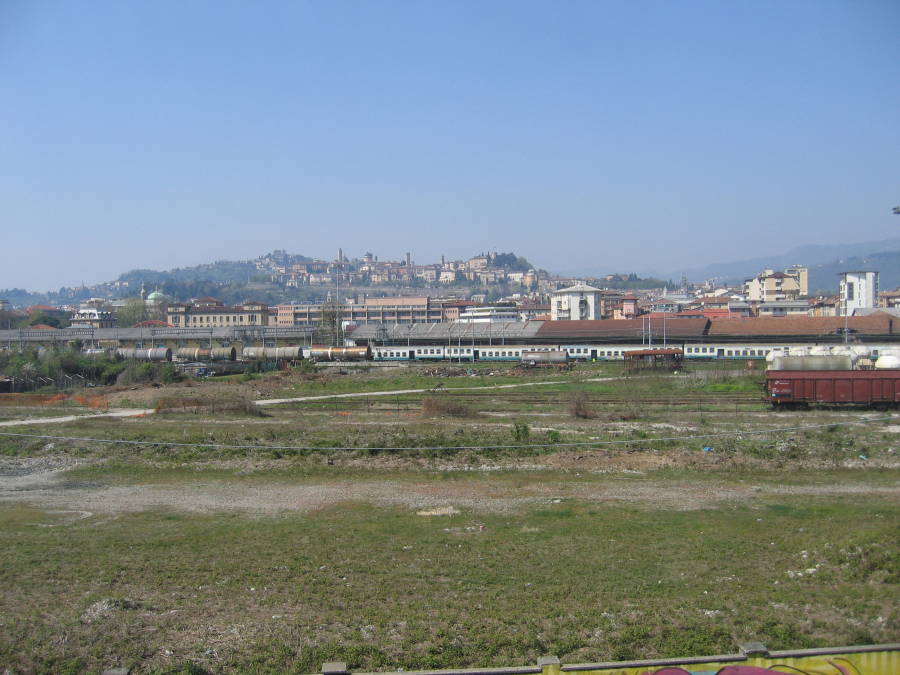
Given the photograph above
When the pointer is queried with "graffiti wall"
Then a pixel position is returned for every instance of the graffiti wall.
(884, 662)
(867, 660)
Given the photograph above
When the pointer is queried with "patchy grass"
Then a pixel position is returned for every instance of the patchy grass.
(384, 588)
(650, 547)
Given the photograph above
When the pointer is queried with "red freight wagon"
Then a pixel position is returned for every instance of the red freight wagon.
(790, 388)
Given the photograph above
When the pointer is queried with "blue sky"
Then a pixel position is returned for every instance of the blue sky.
(587, 136)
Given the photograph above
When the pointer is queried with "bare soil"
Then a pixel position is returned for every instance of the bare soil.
(42, 483)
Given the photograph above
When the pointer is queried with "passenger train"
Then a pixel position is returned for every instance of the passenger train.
(585, 352)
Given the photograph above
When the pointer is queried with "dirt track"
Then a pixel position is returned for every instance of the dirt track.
(42, 483)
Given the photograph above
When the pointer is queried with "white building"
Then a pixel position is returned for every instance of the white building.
(488, 314)
(578, 302)
(858, 290)
(91, 317)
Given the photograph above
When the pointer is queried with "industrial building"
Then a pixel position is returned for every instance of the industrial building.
(373, 310)
(206, 312)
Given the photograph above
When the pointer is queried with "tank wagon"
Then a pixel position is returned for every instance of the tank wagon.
(204, 354)
(340, 353)
(556, 357)
(832, 362)
(152, 354)
(273, 353)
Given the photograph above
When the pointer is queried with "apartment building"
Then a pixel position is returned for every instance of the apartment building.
(772, 286)
(576, 303)
(858, 290)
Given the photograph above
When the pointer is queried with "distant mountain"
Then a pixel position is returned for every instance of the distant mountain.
(813, 255)
(219, 271)
(825, 276)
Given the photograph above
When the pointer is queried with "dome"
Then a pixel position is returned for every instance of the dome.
(156, 296)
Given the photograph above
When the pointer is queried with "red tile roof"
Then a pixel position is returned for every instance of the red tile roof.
(622, 328)
(873, 324)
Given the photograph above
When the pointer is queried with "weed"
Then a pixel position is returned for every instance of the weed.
(521, 432)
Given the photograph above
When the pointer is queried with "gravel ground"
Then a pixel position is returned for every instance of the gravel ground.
(41, 482)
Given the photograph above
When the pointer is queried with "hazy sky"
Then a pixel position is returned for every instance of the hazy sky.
(590, 136)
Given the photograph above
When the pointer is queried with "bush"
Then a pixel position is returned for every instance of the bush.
(136, 373)
(578, 406)
(169, 374)
(433, 406)
(521, 432)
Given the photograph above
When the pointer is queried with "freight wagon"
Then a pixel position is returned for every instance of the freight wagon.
(789, 389)
(317, 353)
(558, 357)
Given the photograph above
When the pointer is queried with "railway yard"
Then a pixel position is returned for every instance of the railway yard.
(440, 515)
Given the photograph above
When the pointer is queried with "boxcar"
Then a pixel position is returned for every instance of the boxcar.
(793, 388)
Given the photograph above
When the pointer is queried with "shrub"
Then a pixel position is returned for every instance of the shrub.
(433, 406)
(521, 432)
(578, 406)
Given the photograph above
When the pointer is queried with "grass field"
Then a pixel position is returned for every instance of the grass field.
(368, 536)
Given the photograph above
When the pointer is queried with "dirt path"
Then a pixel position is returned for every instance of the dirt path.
(120, 412)
(41, 482)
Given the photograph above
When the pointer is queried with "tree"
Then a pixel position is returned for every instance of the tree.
(45, 320)
(134, 311)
